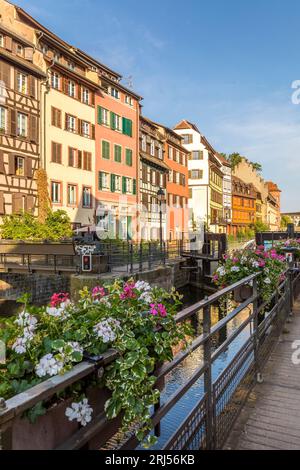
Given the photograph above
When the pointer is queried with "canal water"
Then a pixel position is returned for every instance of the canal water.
(184, 371)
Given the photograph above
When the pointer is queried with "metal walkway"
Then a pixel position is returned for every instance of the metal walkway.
(270, 418)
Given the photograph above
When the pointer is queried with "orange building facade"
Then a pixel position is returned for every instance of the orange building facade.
(116, 137)
(243, 205)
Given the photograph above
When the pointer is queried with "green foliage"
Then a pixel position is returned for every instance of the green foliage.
(256, 166)
(260, 226)
(285, 220)
(133, 318)
(26, 227)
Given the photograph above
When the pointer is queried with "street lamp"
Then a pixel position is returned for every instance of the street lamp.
(161, 198)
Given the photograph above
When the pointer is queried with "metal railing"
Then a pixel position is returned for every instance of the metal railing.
(208, 424)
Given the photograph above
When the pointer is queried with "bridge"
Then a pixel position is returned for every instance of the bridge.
(219, 395)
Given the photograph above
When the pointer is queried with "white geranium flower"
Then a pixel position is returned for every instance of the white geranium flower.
(221, 271)
(243, 259)
(142, 285)
(81, 411)
(267, 280)
(146, 297)
(105, 330)
(255, 264)
(235, 269)
(19, 345)
(48, 365)
(76, 346)
(26, 320)
(57, 312)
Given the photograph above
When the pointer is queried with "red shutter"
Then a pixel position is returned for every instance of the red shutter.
(11, 164)
(8, 43)
(2, 210)
(58, 118)
(5, 73)
(66, 121)
(1, 161)
(13, 122)
(79, 126)
(93, 98)
(78, 92)
(33, 130)
(79, 159)
(28, 167)
(32, 86)
(17, 202)
(29, 203)
(93, 131)
(28, 53)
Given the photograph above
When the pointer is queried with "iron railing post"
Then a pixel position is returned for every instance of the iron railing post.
(149, 255)
(141, 257)
(208, 378)
(164, 253)
(131, 257)
(256, 332)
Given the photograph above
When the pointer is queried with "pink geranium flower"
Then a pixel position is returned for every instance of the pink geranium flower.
(128, 291)
(156, 309)
(98, 291)
(235, 260)
(58, 298)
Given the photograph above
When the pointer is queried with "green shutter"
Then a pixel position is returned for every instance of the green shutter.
(127, 126)
(128, 157)
(112, 120)
(112, 183)
(124, 184)
(105, 149)
(118, 153)
(100, 173)
(100, 114)
(134, 186)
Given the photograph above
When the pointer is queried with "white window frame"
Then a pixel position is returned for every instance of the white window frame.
(1, 40)
(152, 148)
(56, 192)
(22, 83)
(73, 193)
(128, 185)
(117, 183)
(105, 180)
(160, 152)
(85, 128)
(144, 143)
(72, 89)
(21, 51)
(105, 117)
(170, 153)
(22, 124)
(55, 80)
(19, 167)
(3, 118)
(118, 123)
(86, 96)
(115, 93)
(86, 196)
(71, 119)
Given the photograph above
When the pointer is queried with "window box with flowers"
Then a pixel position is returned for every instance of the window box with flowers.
(133, 318)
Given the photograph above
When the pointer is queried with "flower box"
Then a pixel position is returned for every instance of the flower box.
(243, 293)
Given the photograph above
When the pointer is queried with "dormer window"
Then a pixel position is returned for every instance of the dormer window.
(71, 65)
(20, 50)
(114, 92)
(56, 56)
(128, 100)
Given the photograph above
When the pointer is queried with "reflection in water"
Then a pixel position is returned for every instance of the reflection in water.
(183, 372)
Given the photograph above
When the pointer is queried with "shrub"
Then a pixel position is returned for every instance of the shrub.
(26, 227)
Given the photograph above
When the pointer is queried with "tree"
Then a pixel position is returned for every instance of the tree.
(285, 220)
(256, 166)
(234, 159)
(260, 226)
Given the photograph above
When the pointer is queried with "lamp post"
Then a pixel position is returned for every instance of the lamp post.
(160, 197)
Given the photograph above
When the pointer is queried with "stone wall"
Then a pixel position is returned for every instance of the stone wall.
(40, 287)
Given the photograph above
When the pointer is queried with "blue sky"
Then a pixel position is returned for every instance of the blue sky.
(226, 65)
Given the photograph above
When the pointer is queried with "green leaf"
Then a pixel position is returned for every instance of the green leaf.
(58, 344)
(112, 408)
(38, 410)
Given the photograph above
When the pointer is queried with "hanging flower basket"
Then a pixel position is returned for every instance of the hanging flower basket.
(243, 293)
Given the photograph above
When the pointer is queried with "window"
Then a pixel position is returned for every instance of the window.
(21, 125)
(160, 152)
(117, 183)
(152, 148)
(128, 157)
(72, 194)
(197, 155)
(86, 197)
(105, 149)
(70, 123)
(144, 143)
(127, 126)
(19, 166)
(103, 180)
(85, 129)
(1, 40)
(20, 49)
(55, 152)
(87, 161)
(114, 92)
(128, 100)
(116, 122)
(86, 96)
(177, 156)
(22, 82)
(55, 117)
(128, 185)
(71, 89)
(72, 157)
(56, 56)
(196, 174)
(55, 192)
(2, 119)
(187, 138)
(103, 116)
(55, 80)
(71, 65)
(170, 153)
(118, 153)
